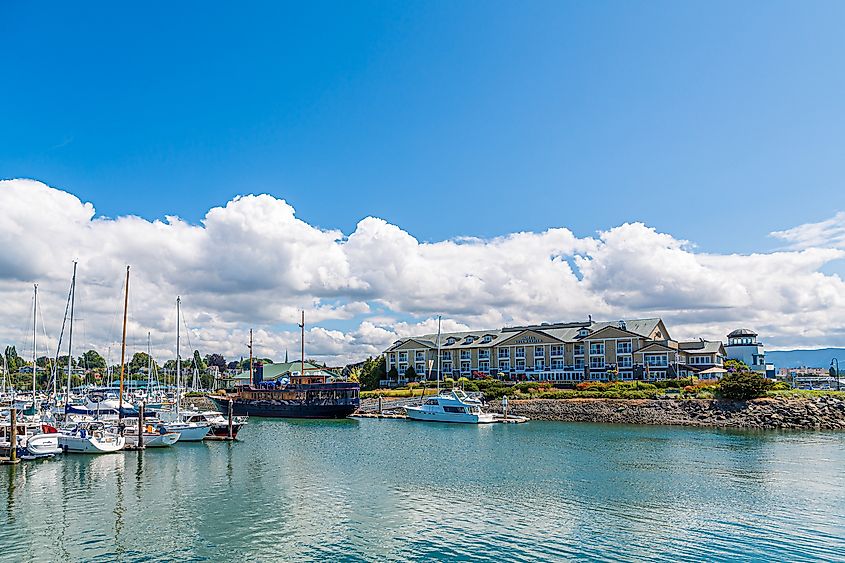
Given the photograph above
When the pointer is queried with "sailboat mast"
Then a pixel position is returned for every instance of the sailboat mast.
(123, 347)
(250, 357)
(302, 346)
(34, 340)
(178, 354)
(438, 355)
(70, 334)
(149, 364)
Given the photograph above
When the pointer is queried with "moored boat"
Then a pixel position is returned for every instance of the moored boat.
(455, 406)
(217, 423)
(152, 436)
(91, 438)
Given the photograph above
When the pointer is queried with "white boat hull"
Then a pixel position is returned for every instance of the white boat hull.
(91, 444)
(417, 413)
(189, 432)
(154, 440)
(41, 445)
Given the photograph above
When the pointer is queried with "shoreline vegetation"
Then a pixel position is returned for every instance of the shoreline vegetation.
(741, 399)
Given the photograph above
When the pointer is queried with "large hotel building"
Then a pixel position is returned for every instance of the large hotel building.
(561, 352)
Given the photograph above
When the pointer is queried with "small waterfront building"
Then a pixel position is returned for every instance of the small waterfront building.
(743, 346)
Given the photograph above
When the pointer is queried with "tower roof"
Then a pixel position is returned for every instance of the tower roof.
(742, 332)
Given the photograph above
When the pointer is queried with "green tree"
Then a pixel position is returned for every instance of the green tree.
(216, 360)
(741, 386)
(199, 362)
(411, 374)
(393, 374)
(139, 363)
(13, 361)
(92, 360)
(372, 371)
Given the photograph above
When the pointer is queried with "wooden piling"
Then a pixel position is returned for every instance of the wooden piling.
(141, 445)
(13, 437)
(231, 408)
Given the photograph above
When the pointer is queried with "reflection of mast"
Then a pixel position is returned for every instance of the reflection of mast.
(123, 351)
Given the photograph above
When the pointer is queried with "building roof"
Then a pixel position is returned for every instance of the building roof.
(565, 332)
(702, 347)
(742, 332)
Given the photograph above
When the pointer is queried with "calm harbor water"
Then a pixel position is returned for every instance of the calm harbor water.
(395, 490)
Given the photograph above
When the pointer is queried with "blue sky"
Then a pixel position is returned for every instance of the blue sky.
(715, 121)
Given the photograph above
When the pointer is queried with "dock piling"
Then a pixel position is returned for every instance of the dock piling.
(231, 436)
(13, 437)
(141, 445)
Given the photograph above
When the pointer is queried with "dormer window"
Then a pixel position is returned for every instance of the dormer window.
(450, 341)
(468, 340)
(487, 338)
(583, 332)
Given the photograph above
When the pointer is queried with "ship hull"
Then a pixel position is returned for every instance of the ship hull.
(284, 409)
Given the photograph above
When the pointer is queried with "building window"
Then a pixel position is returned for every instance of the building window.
(656, 360)
(487, 338)
(579, 349)
(446, 356)
(420, 356)
(625, 361)
(403, 356)
(466, 354)
(520, 363)
(504, 353)
(484, 354)
(464, 366)
(505, 366)
(597, 348)
(539, 352)
(539, 364)
(468, 340)
(484, 366)
(420, 369)
(596, 362)
(520, 352)
(583, 332)
(447, 366)
(450, 340)
(579, 363)
(557, 351)
(557, 364)
(623, 347)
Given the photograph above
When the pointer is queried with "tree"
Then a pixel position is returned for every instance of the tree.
(354, 374)
(393, 374)
(139, 363)
(13, 361)
(741, 386)
(372, 371)
(216, 360)
(199, 362)
(92, 360)
(411, 374)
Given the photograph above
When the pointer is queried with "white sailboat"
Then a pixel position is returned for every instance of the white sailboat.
(188, 430)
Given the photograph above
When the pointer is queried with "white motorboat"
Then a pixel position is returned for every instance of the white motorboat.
(455, 406)
(153, 436)
(91, 438)
(32, 440)
(218, 423)
(188, 431)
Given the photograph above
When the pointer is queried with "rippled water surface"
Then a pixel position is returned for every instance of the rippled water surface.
(395, 490)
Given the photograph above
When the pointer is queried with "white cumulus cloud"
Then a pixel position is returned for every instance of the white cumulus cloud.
(253, 264)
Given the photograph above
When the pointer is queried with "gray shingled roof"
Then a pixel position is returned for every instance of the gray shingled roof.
(567, 332)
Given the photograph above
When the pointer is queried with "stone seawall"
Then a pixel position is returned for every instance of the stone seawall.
(813, 412)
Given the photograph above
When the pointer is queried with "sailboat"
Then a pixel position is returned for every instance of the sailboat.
(455, 406)
(189, 431)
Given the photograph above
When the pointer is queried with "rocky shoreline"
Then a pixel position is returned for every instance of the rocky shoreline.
(820, 413)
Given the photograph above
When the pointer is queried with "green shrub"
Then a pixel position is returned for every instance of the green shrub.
(741, 386)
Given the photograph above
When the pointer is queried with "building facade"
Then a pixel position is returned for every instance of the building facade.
(743, 346)
(638, 349)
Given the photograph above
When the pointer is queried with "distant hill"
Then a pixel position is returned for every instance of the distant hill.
(806, 358)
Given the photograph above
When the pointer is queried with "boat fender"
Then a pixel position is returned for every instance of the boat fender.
(98, 435)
